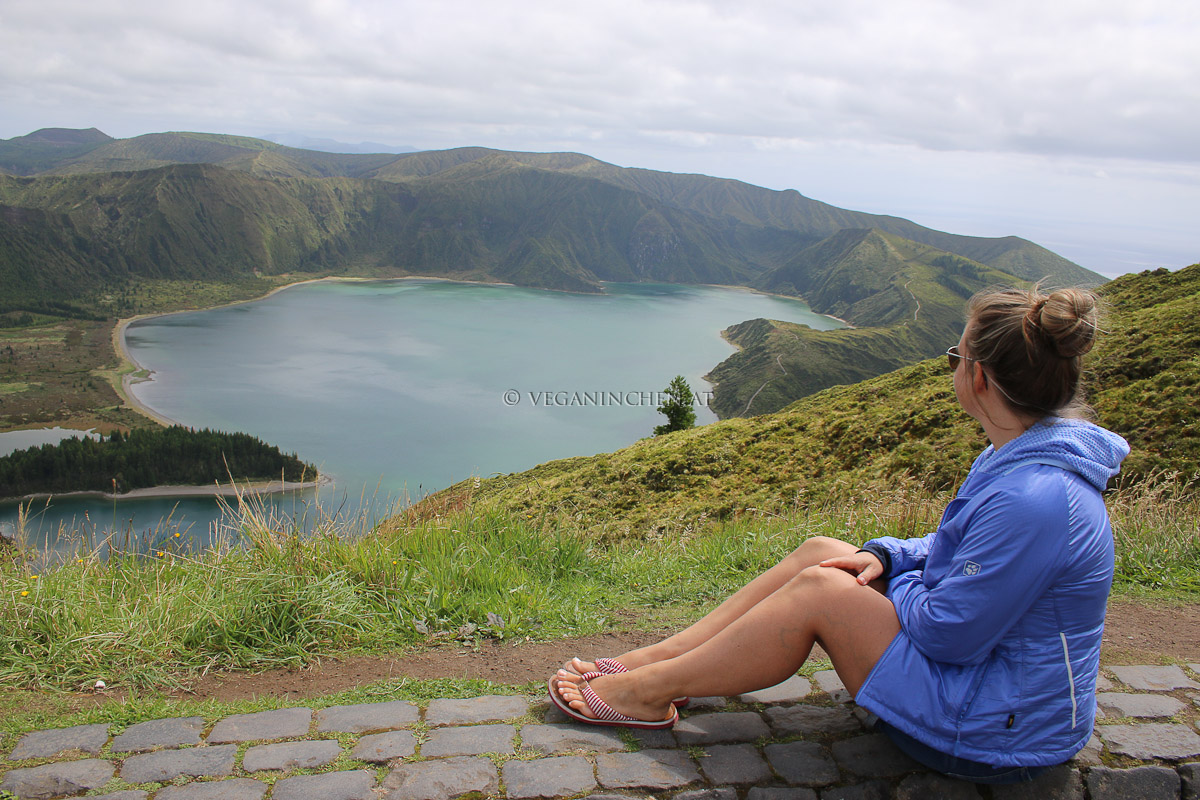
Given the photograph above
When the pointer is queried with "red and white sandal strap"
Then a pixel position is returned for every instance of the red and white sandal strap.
(601, 709)
(609, 666)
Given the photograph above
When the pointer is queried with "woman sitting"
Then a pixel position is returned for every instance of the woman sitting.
(978, 645)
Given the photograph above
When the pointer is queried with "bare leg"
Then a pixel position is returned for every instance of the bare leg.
(809, 553)
(761, 647)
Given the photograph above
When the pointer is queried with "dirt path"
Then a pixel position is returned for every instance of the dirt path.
(1135, 634)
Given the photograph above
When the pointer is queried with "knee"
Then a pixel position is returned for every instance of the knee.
(825, 581)
(822, 543)
(814, 550)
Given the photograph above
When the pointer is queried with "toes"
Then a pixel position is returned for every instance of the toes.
(579, 666)
(570, 693)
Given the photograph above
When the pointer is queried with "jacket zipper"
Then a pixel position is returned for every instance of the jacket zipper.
(1070, 678)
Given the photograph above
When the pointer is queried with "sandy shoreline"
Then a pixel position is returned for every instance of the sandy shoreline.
(216, 490)
(752, 290)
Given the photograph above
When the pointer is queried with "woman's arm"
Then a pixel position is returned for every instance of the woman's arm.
(900, 555)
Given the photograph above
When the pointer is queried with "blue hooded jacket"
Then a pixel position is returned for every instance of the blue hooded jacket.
(1002, 607)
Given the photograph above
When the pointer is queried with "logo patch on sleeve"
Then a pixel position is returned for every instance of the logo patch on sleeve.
(971, 568)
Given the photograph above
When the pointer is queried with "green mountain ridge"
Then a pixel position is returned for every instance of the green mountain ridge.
(46, 148)
(889, 432)
(712, 197)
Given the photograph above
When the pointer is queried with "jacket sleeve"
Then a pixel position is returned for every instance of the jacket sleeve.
(903, 555)
(1011, 547)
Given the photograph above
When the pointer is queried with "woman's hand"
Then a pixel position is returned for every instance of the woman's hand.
(865, 566)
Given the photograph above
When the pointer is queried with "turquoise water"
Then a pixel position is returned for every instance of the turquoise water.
(396, 389)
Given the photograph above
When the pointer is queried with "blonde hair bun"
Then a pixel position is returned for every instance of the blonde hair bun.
(1066, 318)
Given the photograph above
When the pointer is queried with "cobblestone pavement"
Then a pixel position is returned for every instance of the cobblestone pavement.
(801, 740)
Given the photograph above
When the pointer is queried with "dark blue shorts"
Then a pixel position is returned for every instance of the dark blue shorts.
(953, 766)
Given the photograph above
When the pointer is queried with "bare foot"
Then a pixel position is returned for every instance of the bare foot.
(620, 692)
(579, 666)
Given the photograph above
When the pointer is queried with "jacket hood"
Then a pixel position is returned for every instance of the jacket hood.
(1092, 452)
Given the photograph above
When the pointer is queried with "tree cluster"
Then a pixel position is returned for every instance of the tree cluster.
(144, 458)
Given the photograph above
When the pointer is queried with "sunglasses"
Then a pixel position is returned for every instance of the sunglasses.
(953, 356)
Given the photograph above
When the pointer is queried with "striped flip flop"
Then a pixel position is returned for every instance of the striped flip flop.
(605, 715)
(610, 666)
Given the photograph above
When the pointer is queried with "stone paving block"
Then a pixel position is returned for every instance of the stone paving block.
(56, 780)
(1194, 668)
(1190, 775)
(358, 784)
(164, 765)
(780, 793)
(926, 785)
(492, 708)
(1154, 679)
(549, 777)
(379, 747)
(1126, 704)
(1060, 783)
(559, 739)
(722, 728)
(871, 790)
(652, 740)
(706, 703)
(611, 796)
(365, 717)
(829, 682)
(720, 793)
(158, 733)
(469, 740)
(44, 744)
(128, 794)
(235, 789)
(1090, 754)
(803, 763)
(1142, 783)
(283, 723)
(1103, 684)
(1149, 740)
(792, 690)
(441, 779)
(872, 756)
(805, 720)
(736, 764)
(287, 756)
(650, 770)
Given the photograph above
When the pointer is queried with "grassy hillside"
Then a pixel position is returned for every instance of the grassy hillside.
(896, 431)
(68, 236)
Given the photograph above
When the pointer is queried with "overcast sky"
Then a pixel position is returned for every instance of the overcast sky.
(1074, 123)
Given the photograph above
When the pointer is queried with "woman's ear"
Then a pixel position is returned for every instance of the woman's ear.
(979, 377)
